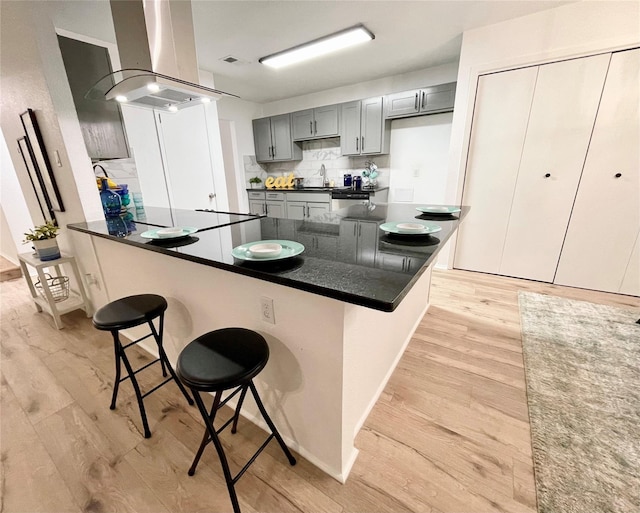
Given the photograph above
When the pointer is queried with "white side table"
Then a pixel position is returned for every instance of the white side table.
(76, 300)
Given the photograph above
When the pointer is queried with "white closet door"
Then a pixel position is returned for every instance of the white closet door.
(606, 215)
(503, 102)
(631, 281)
(563, 112)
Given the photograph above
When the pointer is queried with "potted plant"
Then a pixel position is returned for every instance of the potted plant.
(255, 181)
(44, 241)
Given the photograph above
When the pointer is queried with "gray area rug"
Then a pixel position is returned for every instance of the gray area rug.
(582, 364)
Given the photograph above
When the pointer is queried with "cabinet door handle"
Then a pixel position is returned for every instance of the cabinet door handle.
(359, 230)
(315, 127)
(415, 104)
(355, 227)
(547, 175)
(357, 142)
(311, 127)
(362, 144)
(408, 264)
(423, 99)
(274, 151)
(618, 175)
(404, 262)
(266, 209)
(308, 211)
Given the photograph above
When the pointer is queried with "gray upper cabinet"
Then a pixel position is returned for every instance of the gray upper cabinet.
(363, 130)
(428, 100)
(273, 139)
(100, 122)
(315, 123)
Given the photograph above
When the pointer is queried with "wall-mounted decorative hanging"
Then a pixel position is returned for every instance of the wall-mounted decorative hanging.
(41, 159)
(36, 181)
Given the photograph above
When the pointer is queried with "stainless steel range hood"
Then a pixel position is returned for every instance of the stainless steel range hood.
(152, 90)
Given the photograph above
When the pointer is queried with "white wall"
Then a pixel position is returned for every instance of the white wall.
(419, 158)
(15, 212)
(572, 30)
(379, 87)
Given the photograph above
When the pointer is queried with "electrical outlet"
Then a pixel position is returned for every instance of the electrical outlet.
(266, 309)
(92, 280)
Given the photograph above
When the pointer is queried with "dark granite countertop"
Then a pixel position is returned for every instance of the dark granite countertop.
(347, 257)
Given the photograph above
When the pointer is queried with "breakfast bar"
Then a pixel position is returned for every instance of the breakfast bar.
(337, 316)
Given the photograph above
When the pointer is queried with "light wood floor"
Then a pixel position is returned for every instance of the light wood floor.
(449, 434)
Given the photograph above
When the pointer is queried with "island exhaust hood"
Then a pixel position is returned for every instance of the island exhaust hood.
(145, 88)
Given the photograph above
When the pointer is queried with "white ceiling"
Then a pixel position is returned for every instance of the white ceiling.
(410, 35)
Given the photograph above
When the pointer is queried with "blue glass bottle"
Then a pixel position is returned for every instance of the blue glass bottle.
(111, 203)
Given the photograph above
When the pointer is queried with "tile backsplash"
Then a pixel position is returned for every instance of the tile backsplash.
(314, 155)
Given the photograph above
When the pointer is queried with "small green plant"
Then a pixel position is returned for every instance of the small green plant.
(43, 232)
(255, 180)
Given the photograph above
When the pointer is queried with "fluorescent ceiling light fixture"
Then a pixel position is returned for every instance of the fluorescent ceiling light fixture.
(322, 46)
(121, 98)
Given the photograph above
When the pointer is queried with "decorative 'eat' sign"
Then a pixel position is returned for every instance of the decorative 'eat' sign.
(279, 183)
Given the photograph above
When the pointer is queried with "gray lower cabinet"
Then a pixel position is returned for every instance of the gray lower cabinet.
(276, 229)
(358, 241)
(398, 263)
(363, 129)
(302, 205)
(318, 245)
(306, 209)
(315, 123)
(271, 204)
(428, 100)
(273, 139)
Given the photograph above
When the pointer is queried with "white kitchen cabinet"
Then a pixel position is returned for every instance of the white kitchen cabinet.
(363, 129)
(559, 128)
(273, 139)
(501, 112)
(315, 123)
(598, 251)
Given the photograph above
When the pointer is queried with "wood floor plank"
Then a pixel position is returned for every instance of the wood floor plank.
(99, 479)
(450, 433)
(35, 387)
(30, 481)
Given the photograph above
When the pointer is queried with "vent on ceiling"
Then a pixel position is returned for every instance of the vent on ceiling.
(230, 59)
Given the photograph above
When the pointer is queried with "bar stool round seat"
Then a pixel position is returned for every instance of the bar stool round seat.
(129, 312)
(222, 360)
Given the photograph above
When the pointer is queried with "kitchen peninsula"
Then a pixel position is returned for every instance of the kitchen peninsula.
(343, 310)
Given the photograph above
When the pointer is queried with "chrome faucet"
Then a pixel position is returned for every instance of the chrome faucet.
(323, 174)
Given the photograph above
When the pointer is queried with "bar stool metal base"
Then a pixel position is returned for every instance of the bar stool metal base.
(106, 319)
(202, 367)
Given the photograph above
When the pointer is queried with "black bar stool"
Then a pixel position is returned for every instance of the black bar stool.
(126, 313)
(221, 360)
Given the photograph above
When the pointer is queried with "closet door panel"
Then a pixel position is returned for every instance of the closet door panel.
(631, 280)
(562, 116)
(606, 215)
(502, 106)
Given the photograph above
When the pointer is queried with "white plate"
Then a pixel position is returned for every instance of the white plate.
(438, 209)
(410, 227)
(268, 250)
(185, 231)
(426, 228)
(289, 249)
